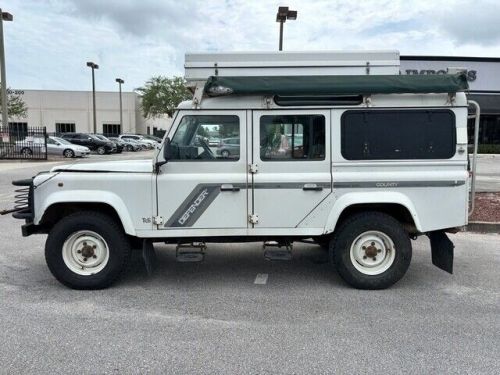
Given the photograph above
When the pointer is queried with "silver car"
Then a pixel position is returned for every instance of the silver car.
(60, 146)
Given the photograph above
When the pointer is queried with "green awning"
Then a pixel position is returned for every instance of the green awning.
(337, 85)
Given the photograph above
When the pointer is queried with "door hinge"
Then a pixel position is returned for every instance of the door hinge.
(158, 220)
(253, 168)
(253, 219)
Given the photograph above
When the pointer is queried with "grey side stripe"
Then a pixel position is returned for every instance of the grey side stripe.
(289, 185)
(195, 204)
(396, 184)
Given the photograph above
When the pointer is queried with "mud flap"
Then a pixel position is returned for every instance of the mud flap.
(149, 256)
(442, 250)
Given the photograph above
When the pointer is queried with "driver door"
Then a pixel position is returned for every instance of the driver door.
(202, 187)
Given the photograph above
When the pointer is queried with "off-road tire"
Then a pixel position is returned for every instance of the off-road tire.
(354, 226)
(105, 226)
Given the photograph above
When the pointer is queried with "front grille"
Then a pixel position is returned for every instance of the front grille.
(23, 200)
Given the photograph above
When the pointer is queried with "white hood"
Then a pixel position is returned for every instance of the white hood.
(126, 166)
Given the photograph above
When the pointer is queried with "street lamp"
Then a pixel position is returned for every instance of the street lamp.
(120, 82)
(5, 116)
(93, 66)
(284, 14)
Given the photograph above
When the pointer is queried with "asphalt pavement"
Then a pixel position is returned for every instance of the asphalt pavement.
(238, 313)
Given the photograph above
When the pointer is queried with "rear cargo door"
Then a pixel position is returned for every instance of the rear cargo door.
(291, 155)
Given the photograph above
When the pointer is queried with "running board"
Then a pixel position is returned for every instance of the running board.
(274, 250)
(190, 252)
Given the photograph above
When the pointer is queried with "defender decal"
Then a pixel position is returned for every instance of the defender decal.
(194, 205)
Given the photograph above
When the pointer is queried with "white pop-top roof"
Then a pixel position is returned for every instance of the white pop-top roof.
(200, 66)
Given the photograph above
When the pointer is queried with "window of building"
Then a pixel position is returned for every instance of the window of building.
(190, 141)
(398, 134)
(18, 127)
(65, 127)
(292, 137)
(111, 129)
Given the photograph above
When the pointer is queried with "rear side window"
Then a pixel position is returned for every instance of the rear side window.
(398, 134)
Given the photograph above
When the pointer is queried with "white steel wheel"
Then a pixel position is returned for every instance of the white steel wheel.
(372, 252)
(85, 253)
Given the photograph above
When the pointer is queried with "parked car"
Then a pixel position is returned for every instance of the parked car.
(214, 142)
(139, 138)
(30, 145)
(126, 144)
(90, 141)
(118, 145)
(153, 138)
(60, 146)
(229, 147)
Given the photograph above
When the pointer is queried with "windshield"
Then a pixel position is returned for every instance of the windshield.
(61, 141)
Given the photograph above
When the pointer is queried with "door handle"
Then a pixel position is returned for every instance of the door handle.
(312, 187)
(229, 187)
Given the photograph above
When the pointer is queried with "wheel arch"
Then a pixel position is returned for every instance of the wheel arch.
(394, 204)
(57, 206)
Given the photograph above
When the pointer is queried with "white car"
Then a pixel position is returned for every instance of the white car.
(149, 143)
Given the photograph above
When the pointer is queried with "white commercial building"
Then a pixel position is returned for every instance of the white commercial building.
(72, 111)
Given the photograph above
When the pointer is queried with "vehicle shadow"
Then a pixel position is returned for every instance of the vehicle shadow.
(233, 264)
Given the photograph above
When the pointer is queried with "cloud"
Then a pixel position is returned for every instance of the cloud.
(49, 41)
(471, 22)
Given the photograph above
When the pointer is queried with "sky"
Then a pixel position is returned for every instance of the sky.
(49, 42)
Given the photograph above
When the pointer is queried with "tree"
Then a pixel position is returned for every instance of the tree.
(161, 95)
(15, 104)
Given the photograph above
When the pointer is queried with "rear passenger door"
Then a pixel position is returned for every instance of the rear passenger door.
(292, 154)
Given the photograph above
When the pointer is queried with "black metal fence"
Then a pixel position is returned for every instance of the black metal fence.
(23, 142)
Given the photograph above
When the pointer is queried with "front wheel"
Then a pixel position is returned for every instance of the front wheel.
(225, 153)
(371, 250)
(69, 153)
(87, 250)
(101, 150)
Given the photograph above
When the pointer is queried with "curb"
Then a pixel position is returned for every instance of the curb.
(483, 227)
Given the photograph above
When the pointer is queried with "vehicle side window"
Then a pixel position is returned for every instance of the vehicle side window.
(292, 137)
(398, 134)
(190, 141)
(50, 141)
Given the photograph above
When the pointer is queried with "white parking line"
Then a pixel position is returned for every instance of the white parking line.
(261, 279)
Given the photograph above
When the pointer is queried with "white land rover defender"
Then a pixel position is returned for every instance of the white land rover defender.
(335, 147)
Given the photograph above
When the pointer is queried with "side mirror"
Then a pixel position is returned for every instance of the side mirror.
(167, 150)
(167, 154)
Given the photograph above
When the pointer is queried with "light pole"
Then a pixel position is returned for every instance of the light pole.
(5, 116)
(284, 14)
(120, 82)
(93, 66)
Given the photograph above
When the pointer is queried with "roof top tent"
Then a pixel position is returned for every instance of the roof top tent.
(200, 66)
(308, 74)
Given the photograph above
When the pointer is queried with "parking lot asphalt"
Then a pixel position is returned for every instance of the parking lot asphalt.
(237, 313)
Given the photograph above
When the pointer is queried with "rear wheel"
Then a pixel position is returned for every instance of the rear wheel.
(87, 250)
(68, 153)
(26, 151)
(371, 250)
(225, 153)
(130, 148)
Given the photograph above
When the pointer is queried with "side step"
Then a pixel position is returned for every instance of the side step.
(190, 252)
(274, 250)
